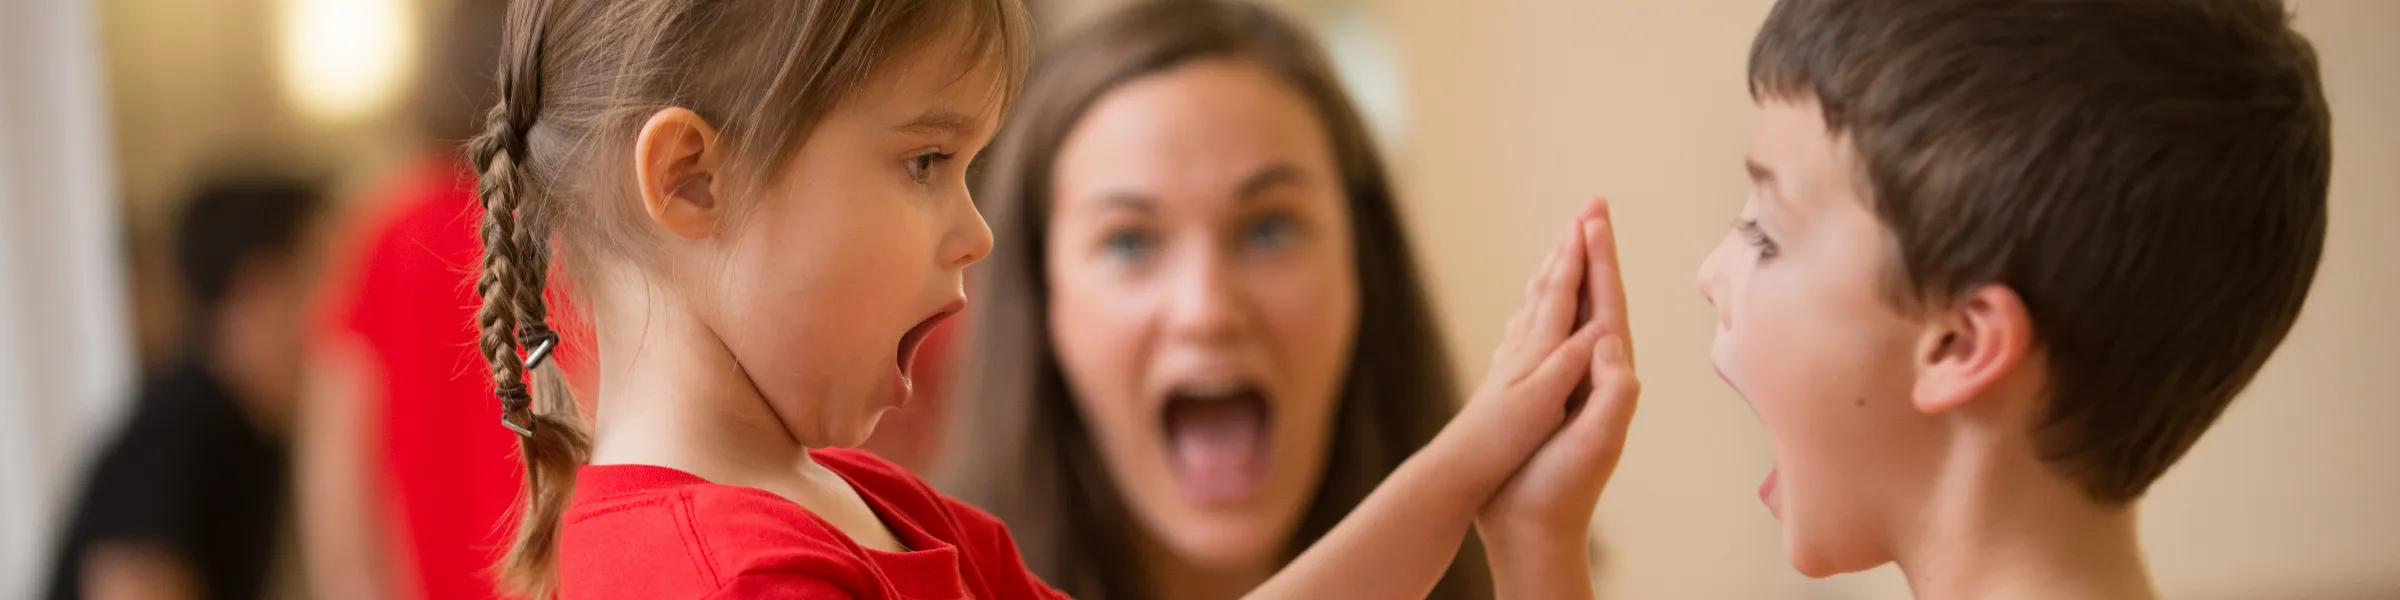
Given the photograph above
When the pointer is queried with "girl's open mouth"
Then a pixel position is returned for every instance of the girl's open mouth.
(904, 362)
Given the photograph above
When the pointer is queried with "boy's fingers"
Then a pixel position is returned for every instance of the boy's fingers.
(1603, 279)
(1599, 430)
(1616, 389)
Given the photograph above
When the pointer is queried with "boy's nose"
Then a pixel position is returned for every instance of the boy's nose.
(1706, 279)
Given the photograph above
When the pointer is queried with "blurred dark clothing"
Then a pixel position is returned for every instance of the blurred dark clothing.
(191, 474)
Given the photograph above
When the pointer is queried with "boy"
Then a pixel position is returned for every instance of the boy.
(2002, 263)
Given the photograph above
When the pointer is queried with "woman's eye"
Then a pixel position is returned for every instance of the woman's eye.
(1129, 245)
(1270, 232)
(1758, 239)
(920, 167)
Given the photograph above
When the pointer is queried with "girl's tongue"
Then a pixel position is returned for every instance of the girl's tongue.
(1218, 445)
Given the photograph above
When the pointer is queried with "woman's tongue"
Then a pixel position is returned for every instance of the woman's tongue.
(1218, 446)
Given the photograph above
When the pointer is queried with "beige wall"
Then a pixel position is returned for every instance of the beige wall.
(1519, 110)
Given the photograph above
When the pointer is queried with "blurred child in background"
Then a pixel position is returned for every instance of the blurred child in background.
(187, 501)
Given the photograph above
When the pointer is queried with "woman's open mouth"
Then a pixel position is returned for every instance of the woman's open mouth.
(1219, 437)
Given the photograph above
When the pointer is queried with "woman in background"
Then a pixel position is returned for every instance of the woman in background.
(1201, 337)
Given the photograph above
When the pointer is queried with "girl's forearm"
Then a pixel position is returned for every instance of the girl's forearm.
(1400, 540)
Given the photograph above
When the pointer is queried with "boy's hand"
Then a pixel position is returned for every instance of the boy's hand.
(1543, 513)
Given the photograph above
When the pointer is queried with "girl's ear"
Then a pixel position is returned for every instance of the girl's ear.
(1967, 348)
(678, 171)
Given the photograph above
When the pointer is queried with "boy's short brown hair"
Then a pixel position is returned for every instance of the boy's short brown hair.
(2148, 175)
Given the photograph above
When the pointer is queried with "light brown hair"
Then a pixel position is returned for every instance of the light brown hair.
(1020, 449)
(2149, 176)
(577, 79)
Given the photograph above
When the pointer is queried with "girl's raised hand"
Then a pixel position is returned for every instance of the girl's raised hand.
(1538, 526)
(1541, 357)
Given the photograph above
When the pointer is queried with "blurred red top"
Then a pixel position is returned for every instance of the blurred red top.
(450, 471)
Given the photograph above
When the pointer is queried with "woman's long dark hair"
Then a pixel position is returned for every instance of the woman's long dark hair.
(1020, 449)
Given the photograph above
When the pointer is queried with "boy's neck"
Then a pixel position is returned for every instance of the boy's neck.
(2014, 529)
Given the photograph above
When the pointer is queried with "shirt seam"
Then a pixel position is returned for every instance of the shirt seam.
(593, 513)
(691, 526)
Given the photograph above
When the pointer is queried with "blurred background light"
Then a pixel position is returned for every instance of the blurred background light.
(344, 59)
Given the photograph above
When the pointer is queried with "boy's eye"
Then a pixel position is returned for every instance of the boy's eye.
(920, 167)
(1757, 237)
(1270, 232)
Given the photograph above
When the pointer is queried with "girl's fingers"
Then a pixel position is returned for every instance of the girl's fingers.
(1542, 273)
(1554, 315)
(1561, 368)
(1522, 343)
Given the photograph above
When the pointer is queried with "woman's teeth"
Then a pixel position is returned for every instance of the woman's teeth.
(1214, 389)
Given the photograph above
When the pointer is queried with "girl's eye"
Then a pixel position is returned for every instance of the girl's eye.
(920, 167)
(1271, 232)
(1757, 237)
(1129, 245)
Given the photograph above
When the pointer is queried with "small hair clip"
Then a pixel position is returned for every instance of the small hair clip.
(509, 419)
(538, 340)
(516, 408)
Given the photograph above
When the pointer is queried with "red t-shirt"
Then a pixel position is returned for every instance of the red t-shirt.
(638, 531)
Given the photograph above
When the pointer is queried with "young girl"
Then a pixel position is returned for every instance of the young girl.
(764, 205)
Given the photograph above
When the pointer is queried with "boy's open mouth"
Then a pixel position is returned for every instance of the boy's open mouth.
(1767, 488)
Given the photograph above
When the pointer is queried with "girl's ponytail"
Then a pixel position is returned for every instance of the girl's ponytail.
(516, 231)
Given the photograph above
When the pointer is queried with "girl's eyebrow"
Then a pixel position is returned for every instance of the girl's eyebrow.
(938, 120)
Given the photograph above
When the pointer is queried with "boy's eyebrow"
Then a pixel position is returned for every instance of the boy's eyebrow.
(939, 120)
(1758, 173)
(1762, 176)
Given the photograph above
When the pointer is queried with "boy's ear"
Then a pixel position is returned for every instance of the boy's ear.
(677, 169)
(1970, 346)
